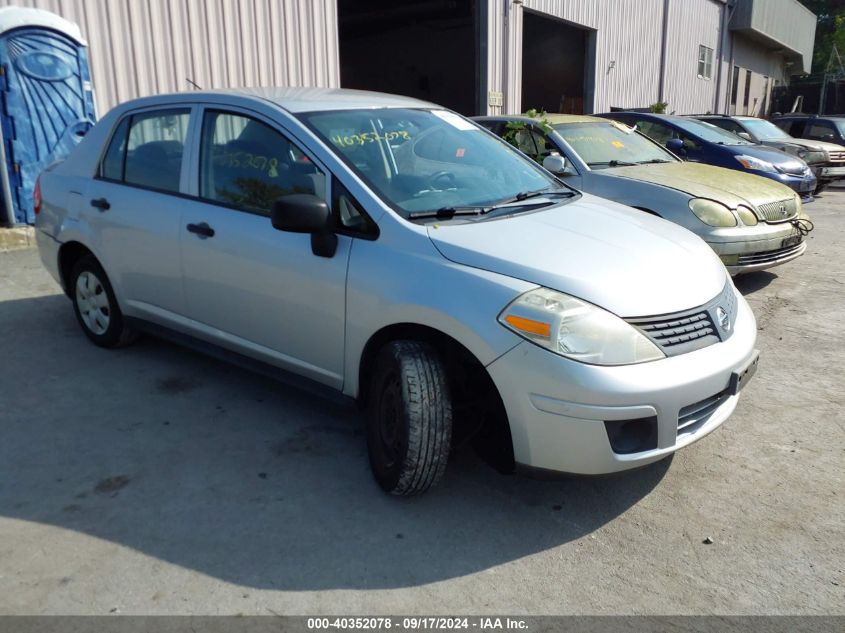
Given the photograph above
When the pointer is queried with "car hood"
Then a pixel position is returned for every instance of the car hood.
(770, 154)
(805, 143)
(728, 186)
(620, 259)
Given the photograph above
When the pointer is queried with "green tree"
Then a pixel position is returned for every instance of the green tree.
(830, 30)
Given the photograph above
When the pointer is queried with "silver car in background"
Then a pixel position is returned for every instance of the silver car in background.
(393, 251)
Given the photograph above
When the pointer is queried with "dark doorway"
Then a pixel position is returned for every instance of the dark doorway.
(553, 61)
(419, 48)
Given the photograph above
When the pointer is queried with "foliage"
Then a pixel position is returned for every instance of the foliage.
(830, 30)
(658, 107)
(514, 127)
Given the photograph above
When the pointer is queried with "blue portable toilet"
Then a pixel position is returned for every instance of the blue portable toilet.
(47, 101)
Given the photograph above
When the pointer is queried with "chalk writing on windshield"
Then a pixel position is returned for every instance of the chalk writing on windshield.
(369, 137)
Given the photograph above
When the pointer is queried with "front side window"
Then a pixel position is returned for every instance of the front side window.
(248, 165)
(820, 130)
(425, 160)
(146, 150)
(705, 62)
(609, 144)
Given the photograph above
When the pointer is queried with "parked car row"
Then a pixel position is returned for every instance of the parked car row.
(752, 223)
(399, 254)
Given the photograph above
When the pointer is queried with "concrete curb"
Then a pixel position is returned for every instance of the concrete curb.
(13, 239)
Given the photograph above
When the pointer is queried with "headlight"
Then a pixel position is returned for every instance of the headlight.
(755, 164)
(576, 329)
(746, 215)
(711, 212)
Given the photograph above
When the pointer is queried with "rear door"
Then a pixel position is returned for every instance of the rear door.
(248, 286)
(134, 206)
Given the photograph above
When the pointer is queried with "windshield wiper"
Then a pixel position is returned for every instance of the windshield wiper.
(526, 195)
(613, 163)
(654, 160)
(444, 213)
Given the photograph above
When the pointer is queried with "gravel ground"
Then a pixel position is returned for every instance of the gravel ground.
(153, 480)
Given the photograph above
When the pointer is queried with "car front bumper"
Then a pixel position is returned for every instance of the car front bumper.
(753, 248)
(804, 184)
(830, 173)
(558, 408)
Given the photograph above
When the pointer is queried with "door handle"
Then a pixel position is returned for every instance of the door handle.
(101, 203)
(202, 229)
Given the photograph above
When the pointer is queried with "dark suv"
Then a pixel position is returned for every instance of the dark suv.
(827, 160)
(830, 129)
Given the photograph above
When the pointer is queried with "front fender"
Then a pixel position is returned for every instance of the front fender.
(390, 285)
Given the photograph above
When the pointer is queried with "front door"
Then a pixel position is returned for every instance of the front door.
(248, 286)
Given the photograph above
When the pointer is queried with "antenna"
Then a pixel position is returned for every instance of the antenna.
(193, 83)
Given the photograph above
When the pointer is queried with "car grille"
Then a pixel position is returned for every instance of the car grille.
(778, 211)
(694, 415)
(837, 156)
(682, 332)
(768, 257)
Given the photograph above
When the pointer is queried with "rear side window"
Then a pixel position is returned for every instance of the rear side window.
(146, 150)
(247, 164)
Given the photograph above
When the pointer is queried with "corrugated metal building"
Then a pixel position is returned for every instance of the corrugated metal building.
(477, 56)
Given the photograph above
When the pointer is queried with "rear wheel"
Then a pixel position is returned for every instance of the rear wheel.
(96, 307)
(409, 421)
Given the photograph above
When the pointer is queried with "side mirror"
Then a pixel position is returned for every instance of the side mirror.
(746, 136)
(557, 164)
(306, 213)
(675, 145)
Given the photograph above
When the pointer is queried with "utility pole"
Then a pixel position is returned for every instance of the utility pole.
(834, 71)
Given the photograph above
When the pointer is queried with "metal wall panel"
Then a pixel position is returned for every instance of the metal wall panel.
(785, 23)
(627, 32)
(691, 23)
(144, 47)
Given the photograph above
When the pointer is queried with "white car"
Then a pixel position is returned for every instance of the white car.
(393, 251)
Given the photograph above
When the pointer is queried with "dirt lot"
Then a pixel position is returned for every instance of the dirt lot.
(155, 480)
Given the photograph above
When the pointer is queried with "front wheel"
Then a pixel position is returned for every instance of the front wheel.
(96, 307)
(409, 421)
(820, 188)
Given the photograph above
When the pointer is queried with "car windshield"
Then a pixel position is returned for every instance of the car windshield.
(765, 129)
(611, 144)
(429, 160)
(709, 132)
(840, 125)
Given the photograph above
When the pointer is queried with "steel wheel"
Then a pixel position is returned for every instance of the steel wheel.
(93, 302)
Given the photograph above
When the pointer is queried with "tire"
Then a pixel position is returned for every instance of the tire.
(95, 305)
(409, 418)
(820, 188)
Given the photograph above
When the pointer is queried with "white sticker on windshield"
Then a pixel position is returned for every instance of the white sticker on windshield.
(454, 120)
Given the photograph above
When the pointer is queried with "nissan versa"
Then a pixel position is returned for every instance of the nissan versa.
(394, 251)
(752, 223)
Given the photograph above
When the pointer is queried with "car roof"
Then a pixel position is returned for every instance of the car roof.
(551, 118)
(809, 117)
(303, 99)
